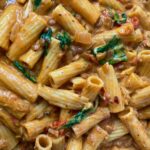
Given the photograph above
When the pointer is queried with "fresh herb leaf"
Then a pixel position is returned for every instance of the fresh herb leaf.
(64, 38)
(120, 19)
(47, 39)
(110, 45)
(81, 116)
(77, 118)
(36, 3)
(26, 73)
(118, 56)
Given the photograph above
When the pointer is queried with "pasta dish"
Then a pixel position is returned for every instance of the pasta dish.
(74, 74)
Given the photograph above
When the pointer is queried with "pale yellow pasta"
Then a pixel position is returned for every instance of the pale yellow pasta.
(6, 134)
(65, 114)
(62, 98)
(8, 120)
(21, 1)
(127, 71)
(58, 143)
(28, 34)
(7, 19)
(111, 86)
(144, 113)
(86, 9)
(92, 87)
(90, 121)
(37, 110)
(119, 130)
(10, 100)
(51, 61)
(28, 8)
(43, 142)
(74, 144)
(141, 98)
(78, 83)
(31, 57)
(33, 128)
(135, 82)
(143, 67)
(136, 129)
(62, 75)
(67, 20)
(143, 16)
(132, 36)
(113, 4)
(17, 83)
(95, 137)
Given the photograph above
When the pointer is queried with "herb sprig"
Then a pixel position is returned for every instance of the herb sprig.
(80, 116)
(46, 36)
(116, 48)
(24, 71)
(110, 45)
(120, 19)
(64, 38)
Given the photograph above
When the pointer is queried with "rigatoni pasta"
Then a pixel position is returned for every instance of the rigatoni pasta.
(7, 19)
(74, 74)
(27, 36)
(62, 75)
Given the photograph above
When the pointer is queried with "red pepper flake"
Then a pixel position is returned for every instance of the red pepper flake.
(57, 124)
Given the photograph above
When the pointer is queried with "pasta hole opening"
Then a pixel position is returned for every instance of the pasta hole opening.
(95, 81)
(43, 141)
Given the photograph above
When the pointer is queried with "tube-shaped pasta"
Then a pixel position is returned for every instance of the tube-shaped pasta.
(90, 121)
(28, 8)
(7, 19)
(92, 87)
(143, 16)
(118, 131)
(31, 57)
(6, 134)
(143, 66)
(33, 128)
(65, 115)
(78, 83)
(28, 34)
(74, 144)
(113, 4)
(133, 36)
(144, 113)
(44, 7)
(51, 60)
(43, 142)
(17, 83)
(8, 120)
(36, 110)
(136, 128)
(111, 86)
(62, 75)
(85, 9)
(10, 100)
(141, 98)
(62, 98)
(21, 1)
(67, 20)
(135, 82)
(58, 143)
(95, 137)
